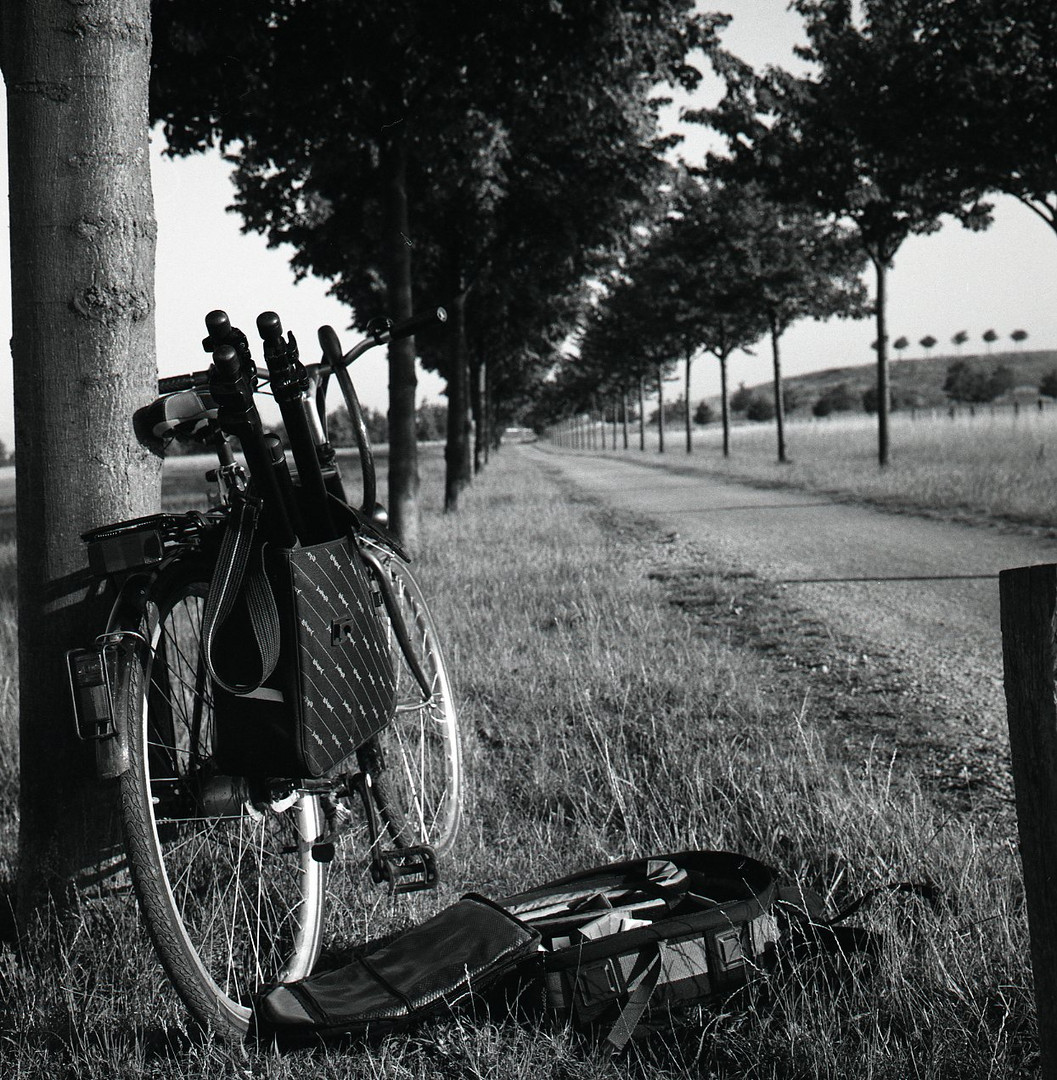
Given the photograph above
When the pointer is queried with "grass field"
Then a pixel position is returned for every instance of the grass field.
(601, 721)
(998, 465)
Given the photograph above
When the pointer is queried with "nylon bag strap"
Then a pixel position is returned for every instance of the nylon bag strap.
(233, 575)
(638, 999)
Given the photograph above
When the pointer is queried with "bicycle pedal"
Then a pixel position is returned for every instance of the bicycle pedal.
(405, 870)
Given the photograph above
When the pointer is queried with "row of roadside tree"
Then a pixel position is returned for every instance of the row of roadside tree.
(908, 112)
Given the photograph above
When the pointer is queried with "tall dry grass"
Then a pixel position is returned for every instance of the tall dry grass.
(601, 722)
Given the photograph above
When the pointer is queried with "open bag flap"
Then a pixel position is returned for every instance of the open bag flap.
(424, 970)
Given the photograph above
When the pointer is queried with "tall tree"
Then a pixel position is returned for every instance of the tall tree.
(82, 255)
(792, 264)
(849, 138)
(557, 92)
(696, 275)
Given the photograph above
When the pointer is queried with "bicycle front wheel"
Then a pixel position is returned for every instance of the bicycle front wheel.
(416, 762)
(230, 893)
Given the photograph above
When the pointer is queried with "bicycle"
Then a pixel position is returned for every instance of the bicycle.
(230, 867)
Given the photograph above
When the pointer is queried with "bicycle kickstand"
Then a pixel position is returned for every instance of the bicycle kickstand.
(403, 869)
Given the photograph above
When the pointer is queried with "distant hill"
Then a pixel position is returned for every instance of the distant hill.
(918, 381)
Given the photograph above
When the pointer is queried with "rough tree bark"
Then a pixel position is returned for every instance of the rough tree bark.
(458, 473)
(687, 416)
(642, 412)
(660, 411)
(82, 255)
(779, 393)
(403, 382)
(477, 376)
(883, 393)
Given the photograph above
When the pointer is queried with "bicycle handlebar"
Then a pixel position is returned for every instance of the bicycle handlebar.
(422, 321)
(222, 333)
(196, 380)
(328, 341)
(232, 363)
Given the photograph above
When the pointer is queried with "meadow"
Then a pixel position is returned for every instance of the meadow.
(600, 721)
(998, 464)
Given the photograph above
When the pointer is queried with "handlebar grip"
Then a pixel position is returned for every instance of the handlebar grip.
(226, 362)
(174, 383)
(218, 329)
(417, 322)
(270, 327)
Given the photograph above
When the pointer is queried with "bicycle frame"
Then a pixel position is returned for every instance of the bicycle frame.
(140, 549)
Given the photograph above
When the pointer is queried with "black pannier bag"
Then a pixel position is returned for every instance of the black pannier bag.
(299, 654)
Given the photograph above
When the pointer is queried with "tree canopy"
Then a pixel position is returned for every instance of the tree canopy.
(516, 134)
(991, 81)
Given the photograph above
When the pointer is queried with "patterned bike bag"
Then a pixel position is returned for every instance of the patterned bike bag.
(333, 686)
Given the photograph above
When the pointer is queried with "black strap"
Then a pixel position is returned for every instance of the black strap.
(240, 569)
(386, 985)
(923, 889)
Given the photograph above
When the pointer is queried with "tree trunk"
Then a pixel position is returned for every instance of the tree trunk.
(624, 415)
(642, 412)
(724, 406)
(615, 407)
(403, 383)
(477, 412)
(883, 395)
(486, 413)
(689, 428)
(779, 395)
(660, 412)
(457, 473)
(82, 263)
(491, 435)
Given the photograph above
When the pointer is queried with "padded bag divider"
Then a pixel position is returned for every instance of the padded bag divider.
(333, 687)
(423, 972)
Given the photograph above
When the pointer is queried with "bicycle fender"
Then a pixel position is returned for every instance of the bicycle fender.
(130, 603)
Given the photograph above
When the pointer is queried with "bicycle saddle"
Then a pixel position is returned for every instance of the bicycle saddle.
(185, 416)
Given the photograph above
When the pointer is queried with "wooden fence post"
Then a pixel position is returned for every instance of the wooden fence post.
(1029, 603)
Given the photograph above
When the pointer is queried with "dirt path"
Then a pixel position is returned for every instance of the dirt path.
(916, 596)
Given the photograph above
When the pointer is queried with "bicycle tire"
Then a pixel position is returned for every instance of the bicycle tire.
(416, 768)
(230, 893)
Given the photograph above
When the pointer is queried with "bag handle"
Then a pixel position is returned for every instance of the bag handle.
(234, 575)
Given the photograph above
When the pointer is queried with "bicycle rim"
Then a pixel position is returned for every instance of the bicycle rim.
(231, 895)
(418, 780)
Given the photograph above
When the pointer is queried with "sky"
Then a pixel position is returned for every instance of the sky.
(1003, 279)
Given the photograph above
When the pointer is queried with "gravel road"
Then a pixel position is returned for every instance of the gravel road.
(919, 590)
